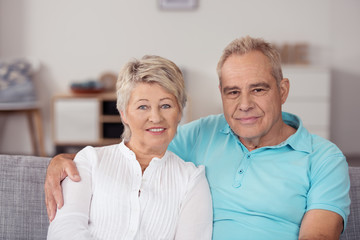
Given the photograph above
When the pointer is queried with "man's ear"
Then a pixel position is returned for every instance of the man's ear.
(123, 118)
(284, 89)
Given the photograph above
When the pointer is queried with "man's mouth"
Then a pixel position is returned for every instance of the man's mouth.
(247, 120)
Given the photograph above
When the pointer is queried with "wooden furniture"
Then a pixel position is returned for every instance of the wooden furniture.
(309, 96)
(85, 119)
(33, 113)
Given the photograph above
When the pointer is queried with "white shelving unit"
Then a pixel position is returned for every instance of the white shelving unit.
(309, 97)
(85, 119)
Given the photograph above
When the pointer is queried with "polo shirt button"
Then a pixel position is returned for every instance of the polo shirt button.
(237, 184)
(241, 171)
(248, 156)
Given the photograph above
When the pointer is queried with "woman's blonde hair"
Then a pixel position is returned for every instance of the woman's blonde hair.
(149, 69)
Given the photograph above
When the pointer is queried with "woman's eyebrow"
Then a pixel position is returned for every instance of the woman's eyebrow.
(166, 98)
(142, 99)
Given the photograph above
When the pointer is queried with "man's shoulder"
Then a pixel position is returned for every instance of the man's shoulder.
(193, 137)
(304, 140)
(211, 121)
(324, 146)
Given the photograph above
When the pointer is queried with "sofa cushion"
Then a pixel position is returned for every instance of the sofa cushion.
(23, 211)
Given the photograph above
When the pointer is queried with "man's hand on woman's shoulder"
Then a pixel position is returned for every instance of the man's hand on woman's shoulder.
(60, 167)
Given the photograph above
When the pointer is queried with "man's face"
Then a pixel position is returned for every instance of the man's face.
(251, 98)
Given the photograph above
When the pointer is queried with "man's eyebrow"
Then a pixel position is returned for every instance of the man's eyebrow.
(227, 89)
(255, 85)
(261, 84)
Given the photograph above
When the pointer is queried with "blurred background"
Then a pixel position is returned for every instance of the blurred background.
(83, 39)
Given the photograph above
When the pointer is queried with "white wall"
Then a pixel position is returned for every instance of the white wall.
(80, 39)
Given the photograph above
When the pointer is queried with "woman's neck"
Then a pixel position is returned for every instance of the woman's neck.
(144, 155)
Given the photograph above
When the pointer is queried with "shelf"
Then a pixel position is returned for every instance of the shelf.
(85, 119)
(113, 119)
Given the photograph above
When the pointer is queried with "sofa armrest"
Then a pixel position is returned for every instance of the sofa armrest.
(23, 211)
(352, 230)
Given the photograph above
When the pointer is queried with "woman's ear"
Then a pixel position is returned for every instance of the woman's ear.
(123, 118)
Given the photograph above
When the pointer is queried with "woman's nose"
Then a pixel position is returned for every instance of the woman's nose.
(155, 115)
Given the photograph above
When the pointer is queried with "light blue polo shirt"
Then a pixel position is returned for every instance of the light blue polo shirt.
(263, 194)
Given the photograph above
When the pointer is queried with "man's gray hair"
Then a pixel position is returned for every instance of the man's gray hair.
(241, 46)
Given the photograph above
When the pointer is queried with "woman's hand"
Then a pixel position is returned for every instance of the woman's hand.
(60, 166)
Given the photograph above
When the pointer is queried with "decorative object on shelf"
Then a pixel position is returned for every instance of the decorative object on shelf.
(296, 53)
(178, 4)
(88, 86)
(16, 84)
(108, 79)
(18, 96)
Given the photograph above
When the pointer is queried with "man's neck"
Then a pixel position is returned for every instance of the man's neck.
(273, 139)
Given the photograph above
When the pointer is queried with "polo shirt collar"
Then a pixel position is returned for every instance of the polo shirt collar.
(225, 128)
(300, 140)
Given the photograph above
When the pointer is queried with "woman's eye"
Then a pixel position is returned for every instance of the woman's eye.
(165, 106)
(142, 107)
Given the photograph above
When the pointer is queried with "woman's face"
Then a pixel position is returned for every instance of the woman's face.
(153, 115)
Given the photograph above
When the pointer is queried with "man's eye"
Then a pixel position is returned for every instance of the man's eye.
(258, 90)
(165, 106)
(233, 92)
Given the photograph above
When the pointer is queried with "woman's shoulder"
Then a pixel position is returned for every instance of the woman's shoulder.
(93, 155)
(107, 149)
(186, 169)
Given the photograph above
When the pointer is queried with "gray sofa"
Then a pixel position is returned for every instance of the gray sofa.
(23, 211)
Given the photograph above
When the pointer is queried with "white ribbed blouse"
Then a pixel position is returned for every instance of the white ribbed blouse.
(113, 200)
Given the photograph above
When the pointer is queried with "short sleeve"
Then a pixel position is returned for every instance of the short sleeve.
(330, 184)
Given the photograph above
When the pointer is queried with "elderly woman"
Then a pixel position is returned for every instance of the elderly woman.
(137, 189)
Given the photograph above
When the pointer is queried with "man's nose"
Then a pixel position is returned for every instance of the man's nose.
(245, 102)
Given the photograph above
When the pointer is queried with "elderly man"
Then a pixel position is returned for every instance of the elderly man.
(269, 177)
